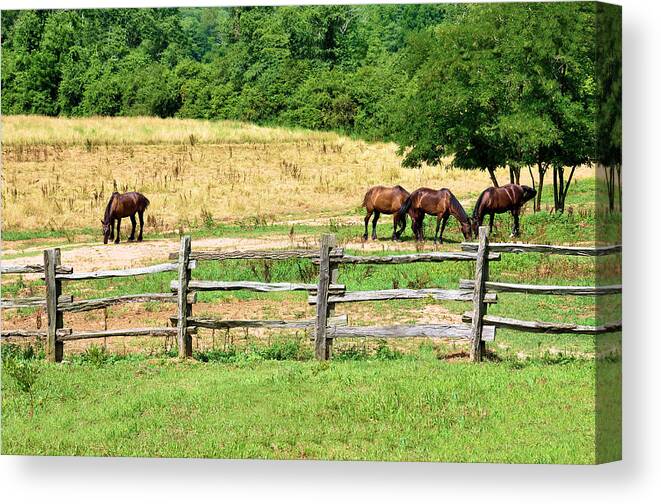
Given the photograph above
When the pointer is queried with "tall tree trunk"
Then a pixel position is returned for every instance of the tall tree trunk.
(515, 174)
(567, 185)
(541, 168)
(610, 186)
(618, 167)
(492, 174)
(561, 187)
(555, 188)
(532, 178)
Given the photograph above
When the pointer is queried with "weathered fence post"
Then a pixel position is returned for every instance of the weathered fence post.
(334, 274)
(479, 306)
(184, 309)
(321, 343)
(54, 348)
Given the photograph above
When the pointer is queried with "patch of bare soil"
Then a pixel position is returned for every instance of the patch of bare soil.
(91, 257)
(97, 256)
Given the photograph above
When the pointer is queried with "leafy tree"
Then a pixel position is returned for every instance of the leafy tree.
(609, 96)
(504, 85)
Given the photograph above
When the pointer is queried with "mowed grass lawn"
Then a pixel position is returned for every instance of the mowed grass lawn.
(412, 408)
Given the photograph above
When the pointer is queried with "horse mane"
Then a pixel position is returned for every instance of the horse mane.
(106, 215)
(454, 203)
(477, 203)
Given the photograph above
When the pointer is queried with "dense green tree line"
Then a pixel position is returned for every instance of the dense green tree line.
(329, 67)
(527, 86)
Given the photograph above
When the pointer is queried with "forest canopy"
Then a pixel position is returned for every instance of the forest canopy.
(321, 67)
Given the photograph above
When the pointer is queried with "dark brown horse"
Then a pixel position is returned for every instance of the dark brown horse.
(386, 200)
(123, 205)
(442, 204)
(507, 198)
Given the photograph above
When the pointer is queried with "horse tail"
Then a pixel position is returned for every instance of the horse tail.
(477, 203)
(366, 198)
(406, 206)
(145, 200)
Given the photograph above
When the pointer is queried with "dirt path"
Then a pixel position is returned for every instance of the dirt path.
(96, 256)
(90, 257)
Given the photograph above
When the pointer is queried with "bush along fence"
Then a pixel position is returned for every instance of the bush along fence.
(477, 327)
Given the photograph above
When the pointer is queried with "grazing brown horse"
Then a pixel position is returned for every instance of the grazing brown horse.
(507, 198)
(123, 205)
(442, 204)
(387, 200)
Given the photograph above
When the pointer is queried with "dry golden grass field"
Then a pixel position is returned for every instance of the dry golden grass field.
(59, 173)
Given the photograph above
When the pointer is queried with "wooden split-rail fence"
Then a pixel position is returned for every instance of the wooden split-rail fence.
(557, 290)
(477, 327)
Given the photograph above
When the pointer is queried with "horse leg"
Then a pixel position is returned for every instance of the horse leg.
(374, 221)
(132, 237)
(367, 221)
(515, 226)
(119, 222)
(395, 221)
(491, 223)
(112, 229)
(445, 221)
(439, 217)
(421, 227)
(142, 224)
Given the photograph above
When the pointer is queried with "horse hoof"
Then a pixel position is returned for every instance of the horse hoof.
(365, 237)
(140, 239)
(131, 239)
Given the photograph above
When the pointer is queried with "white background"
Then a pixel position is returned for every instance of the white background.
(67, 479)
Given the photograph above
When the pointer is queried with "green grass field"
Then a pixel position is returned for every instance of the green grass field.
(386, 407)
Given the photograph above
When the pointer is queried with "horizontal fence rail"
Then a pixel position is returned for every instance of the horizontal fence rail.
(212, 285)
(409, 258)
(84, 305)
(559, 290)
(546, 327)
(222, 255)
(66, 303)
(30, 302)
(520, 248)
(461, 331)
(32, 268)
(147, 270)
(391, 294)
(211, 323)
(21, 333)
(67, 334)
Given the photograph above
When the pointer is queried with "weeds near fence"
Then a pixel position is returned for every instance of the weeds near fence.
(24, 369)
